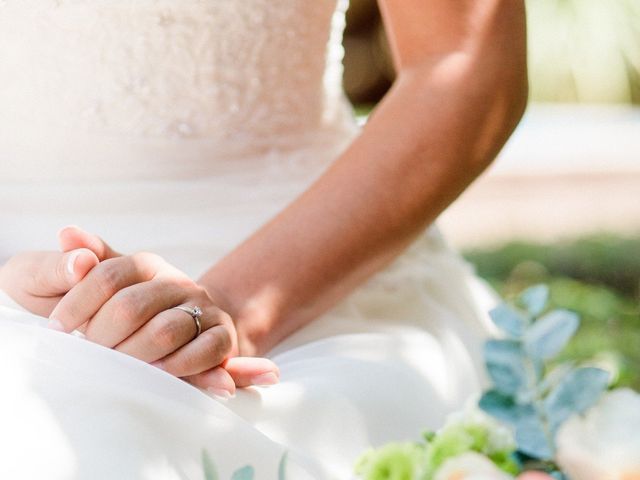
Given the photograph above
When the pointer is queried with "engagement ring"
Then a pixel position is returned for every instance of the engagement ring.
(196, 314)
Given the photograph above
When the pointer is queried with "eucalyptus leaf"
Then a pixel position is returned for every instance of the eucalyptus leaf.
(525, 396)
(208, 467)
(244, 473)
(282, 467)
(532, 438)
(553, 378)
(509, 320)
(505, 364)
(534, 299)
(503, 407)
(577, 391)
(549, 334)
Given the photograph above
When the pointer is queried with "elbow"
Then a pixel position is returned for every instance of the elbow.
(492, 112)
(506, 101)
(498, 62)
(480, 89)
(511, 96)
(476, 101)
(493, 92)
(507, 96)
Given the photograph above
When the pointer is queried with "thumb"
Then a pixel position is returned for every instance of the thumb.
(73, 237)
(55, 274)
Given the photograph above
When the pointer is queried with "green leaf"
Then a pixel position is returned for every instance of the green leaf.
(534, 299)
(505, 364)
(282, 468)
(244, 473)
(549, 334)
(429, 436)
(577, 391)
(508, 319)
(209, 467)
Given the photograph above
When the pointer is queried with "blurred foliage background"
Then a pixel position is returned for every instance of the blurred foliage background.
(579, 51)
(585, 51)
(596, 276)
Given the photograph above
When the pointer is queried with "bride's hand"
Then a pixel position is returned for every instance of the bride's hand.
(38, 280)
(126, 303)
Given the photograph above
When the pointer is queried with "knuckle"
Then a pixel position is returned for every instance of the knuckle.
(146, 264)
(167, 335)
(126, 310)
(144, 255)
(200, 290)
(173, 280)
(201, 293)
(225, 343)
(108, 277)
(222, 317)
(61, 273)
(40, 281)
(218, 344)
(146, 258)
(214, 347)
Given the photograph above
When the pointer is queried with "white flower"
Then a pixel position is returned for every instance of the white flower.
(470, 466)
(603, 444)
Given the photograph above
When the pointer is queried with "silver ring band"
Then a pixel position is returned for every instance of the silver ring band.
(196, 314)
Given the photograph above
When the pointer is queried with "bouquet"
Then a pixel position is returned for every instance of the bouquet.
(560, 420)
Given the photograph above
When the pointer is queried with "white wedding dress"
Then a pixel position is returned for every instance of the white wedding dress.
(179, 127)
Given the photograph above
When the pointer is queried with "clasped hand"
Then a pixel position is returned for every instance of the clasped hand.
(125, 302)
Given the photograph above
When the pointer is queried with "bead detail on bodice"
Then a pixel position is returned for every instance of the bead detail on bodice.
(172, 68)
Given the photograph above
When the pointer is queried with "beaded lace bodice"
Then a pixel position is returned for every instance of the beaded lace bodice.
(157, 77)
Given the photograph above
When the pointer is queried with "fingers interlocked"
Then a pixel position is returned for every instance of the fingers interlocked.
(127, 303)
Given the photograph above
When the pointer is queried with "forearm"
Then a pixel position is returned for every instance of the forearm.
(436, 130)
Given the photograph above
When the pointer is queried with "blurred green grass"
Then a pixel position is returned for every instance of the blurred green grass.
(597, 277)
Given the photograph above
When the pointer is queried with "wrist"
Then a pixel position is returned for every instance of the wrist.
(254, 337)
(251, 318)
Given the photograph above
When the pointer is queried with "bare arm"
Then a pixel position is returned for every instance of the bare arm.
(460, 91)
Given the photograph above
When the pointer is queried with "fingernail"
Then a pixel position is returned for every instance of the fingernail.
(265, 379)
(71, 262)
(54, 324)
(220, 392)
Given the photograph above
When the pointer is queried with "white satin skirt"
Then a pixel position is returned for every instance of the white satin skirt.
(387, 363)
